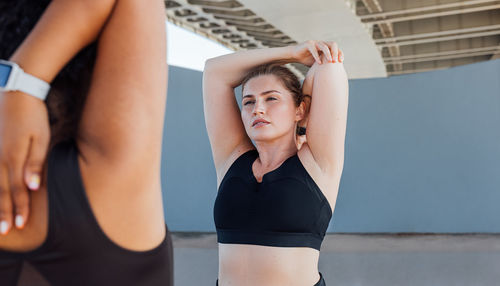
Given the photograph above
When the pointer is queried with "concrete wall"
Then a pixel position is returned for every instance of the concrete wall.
(422, 154)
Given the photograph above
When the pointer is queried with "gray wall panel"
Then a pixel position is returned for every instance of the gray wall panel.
(422, 154)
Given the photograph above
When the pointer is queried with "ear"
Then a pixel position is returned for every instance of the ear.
(301, 111)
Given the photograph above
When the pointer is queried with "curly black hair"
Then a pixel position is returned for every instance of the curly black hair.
(69, 89)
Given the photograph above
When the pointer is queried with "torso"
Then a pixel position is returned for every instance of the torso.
(143, 229)
(243, 264)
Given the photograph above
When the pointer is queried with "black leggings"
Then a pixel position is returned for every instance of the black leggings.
(321, 281)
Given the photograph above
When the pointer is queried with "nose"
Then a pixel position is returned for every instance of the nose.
(258, 107)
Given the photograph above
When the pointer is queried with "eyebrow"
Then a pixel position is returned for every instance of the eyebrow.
(263, 93)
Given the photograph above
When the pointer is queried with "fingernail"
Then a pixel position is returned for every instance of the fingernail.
(34, 182)
(19, 221)
(4, 227)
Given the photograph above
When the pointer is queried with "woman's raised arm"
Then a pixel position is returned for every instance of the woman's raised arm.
(64, 29)
(222, 74)
(326, 126)
(121, 127)
(222, 116)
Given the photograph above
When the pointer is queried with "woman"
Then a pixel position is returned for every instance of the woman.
(274, 200)
(97, 217)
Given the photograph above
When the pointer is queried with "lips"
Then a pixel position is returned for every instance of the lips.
(259, 121)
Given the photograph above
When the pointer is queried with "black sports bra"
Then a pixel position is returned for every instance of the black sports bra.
(286, 209)
(76, 251)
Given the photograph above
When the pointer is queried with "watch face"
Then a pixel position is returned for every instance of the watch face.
(4, 74)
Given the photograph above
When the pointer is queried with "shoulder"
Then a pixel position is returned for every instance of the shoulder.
(235, 155)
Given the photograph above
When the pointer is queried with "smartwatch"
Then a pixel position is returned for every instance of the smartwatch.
(12, 78)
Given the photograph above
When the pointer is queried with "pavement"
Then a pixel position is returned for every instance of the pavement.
(367, 259)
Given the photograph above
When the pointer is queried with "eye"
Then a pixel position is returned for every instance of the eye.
(248, 102)
(271, 98)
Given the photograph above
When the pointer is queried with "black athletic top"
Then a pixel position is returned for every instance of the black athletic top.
(76, 250)
(286, 209)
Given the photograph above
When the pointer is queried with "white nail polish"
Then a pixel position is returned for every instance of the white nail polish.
(4, 227)
(34, 182)
(19, 221)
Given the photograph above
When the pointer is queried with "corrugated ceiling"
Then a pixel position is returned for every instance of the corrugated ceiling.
(411, 36)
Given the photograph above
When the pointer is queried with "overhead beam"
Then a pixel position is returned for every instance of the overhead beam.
(254, 29)
(255, 21)
(233, 17)
(386, 29)
(408, 71)
(445, 57)
(444, 53)
(432, 15)
(243, 12)
(497, 55)
(195, 19)
(424, 9)
(440, 33)
(417, 70)
(277, 34)
(216, 4)
(441, 39)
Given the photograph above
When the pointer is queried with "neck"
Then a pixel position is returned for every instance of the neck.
(273, 153)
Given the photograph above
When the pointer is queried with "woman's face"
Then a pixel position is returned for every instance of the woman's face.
(266, 99)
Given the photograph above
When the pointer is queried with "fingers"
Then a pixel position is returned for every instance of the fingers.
(337, 53)
(19, 195)
(34, 162)
(314, 51)
(334, 51)
(5, 202)
(326, 51)
(329, 50)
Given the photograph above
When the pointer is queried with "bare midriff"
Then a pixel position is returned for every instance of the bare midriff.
(246, 264)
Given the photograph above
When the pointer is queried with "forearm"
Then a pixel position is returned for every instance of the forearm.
(233, 67)
(66, 27)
